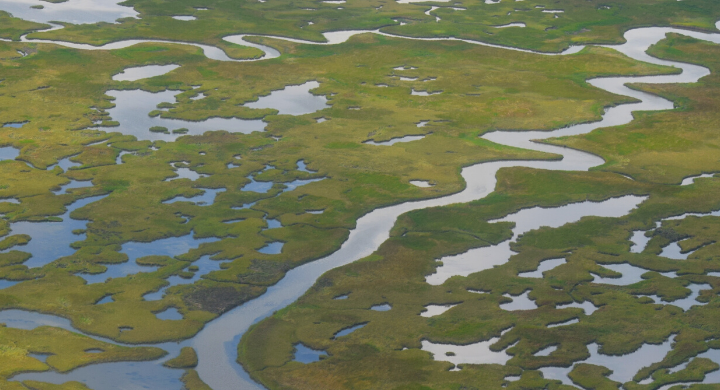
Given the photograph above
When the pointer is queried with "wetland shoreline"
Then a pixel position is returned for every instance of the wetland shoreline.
(220, 371)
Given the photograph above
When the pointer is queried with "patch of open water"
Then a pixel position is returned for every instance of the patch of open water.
(70, 11)
(51, 240)
(14, 125)
(207, 198)
(307, 355)
(436, 310)
(132, 108)
(8, 153)
(519, 302)
(143, 72)
(347, 331)
(170, 314)
(545, 265)
(624, 367)
(292, 100)
(393, 141)
(479, 259)
(476, 353)
(171, 246)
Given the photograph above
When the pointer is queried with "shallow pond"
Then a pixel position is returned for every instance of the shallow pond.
(51, 240)
(479, 259)
(132, 108)
(545, 265)
(691, 180)
(436, 310)
(170, 314)
(8, 153)
(205, 266)
(272, 248)
(624, 367)
(206, 198)
(14, 125)
(70, 11)
(307, 355)
(347, 331)
(171, 246)
(293, 100)
(143, 72)
(587, 307)
(393, 141)
(383, 307)
(687, 302)
(476, 353)
(519, 302)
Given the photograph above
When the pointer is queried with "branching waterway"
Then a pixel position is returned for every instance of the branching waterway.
(216, 344)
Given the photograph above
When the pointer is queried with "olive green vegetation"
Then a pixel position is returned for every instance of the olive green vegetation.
(61, 93)
(186, 359)
(581, 22)
(386, 354)
(481, 92)
(13, 28)
(66, 351)
(667, 146)
(34, 385)
(192, 381)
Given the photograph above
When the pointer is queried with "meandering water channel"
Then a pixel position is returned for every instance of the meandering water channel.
(220, 370)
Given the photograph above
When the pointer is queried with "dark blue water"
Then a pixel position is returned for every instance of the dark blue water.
(105, 300)
(171, 246)
(171, 314)
(15, 125)
(205, 199)
(349, 330)
(8, 153)
(272, 248)
(307, 355)
(205, 265)
(51, 240)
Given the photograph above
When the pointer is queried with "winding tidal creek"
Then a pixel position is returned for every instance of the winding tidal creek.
(216, 344)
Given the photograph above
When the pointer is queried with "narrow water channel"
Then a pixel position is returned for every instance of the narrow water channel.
(220, 370)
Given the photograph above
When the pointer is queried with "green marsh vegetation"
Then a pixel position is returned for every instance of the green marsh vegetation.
(478, 95)
(61, 94)
(13, 28)
(657, 150)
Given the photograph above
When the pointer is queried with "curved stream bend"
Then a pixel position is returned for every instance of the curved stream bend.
(220, 371)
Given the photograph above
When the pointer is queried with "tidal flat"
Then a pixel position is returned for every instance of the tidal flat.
(358, 194)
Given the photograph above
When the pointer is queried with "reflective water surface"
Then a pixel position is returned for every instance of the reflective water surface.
(70, 11)
(143, 72)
